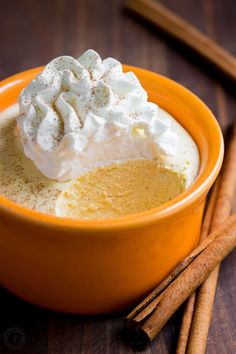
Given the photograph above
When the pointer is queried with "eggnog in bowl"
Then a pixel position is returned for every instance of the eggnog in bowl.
(84, 142)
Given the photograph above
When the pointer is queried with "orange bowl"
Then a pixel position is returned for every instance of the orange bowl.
(91, 267)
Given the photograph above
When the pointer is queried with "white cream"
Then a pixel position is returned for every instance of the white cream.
(81, 114)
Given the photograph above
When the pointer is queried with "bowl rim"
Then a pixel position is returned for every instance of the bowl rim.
(132, 221)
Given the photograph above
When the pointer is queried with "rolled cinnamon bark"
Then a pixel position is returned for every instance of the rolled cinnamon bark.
(209, 254)
(190, 303)
(183, 31)
(206, 293)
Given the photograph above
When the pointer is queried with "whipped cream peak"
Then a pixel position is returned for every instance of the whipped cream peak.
(79, 114)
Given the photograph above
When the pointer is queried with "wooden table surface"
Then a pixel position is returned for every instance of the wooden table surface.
(34, 32)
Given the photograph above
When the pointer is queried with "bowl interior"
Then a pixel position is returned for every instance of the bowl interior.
(191, 113)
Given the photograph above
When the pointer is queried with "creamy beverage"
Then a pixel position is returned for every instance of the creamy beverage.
(85, 142)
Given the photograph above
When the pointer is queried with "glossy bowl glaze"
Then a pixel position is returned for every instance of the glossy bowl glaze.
(91, 267)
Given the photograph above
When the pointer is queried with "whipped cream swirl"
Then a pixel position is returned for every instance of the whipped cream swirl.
(79, 114)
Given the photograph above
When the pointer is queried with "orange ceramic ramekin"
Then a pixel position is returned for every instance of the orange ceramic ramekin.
(91, 267)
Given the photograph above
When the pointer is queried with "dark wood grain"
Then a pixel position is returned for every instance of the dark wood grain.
(34, 32)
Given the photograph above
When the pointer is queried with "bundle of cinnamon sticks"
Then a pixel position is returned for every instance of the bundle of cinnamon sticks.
(200, 267)
(218, 236)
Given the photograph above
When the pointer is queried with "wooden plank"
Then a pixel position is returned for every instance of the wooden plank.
(31, 34)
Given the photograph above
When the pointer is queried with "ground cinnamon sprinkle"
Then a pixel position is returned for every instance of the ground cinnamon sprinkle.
(20, 179)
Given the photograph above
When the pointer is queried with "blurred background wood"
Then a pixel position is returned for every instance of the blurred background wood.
(32, 33)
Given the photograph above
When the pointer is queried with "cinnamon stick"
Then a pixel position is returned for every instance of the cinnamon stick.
(204, 304)
(210, 252)
(190, 304)
(180, 29)
(186, 324)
